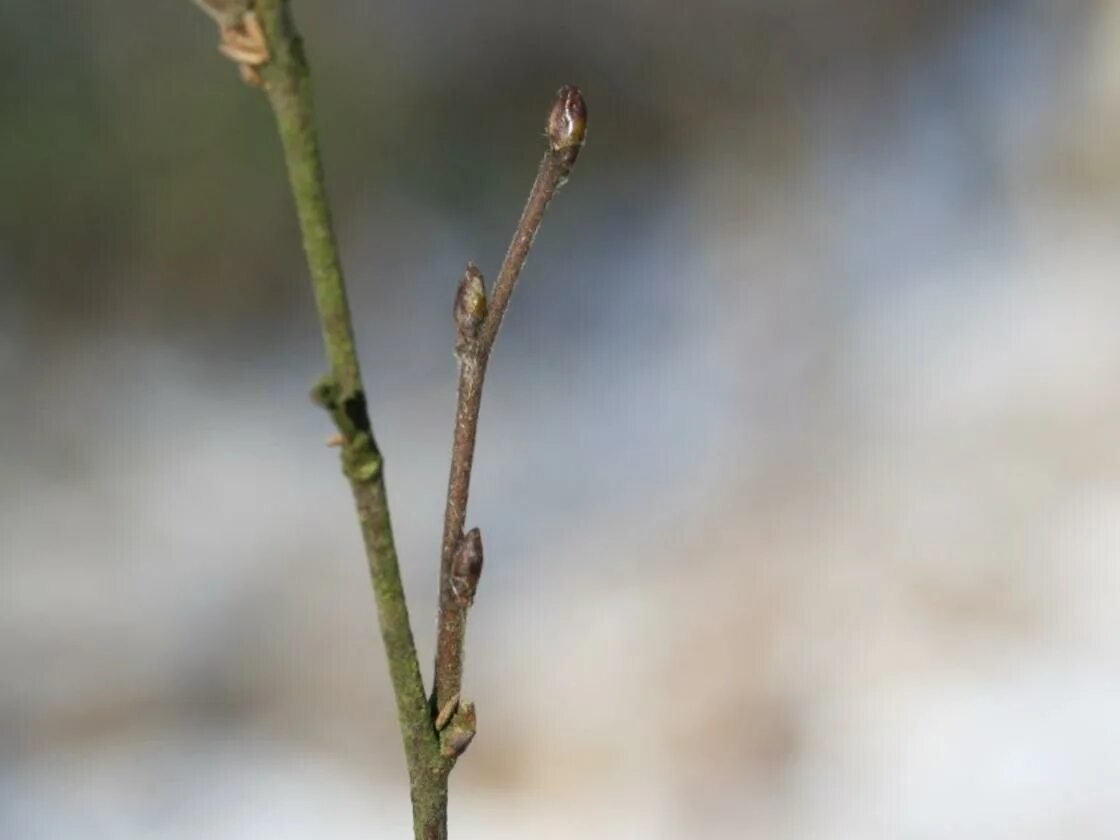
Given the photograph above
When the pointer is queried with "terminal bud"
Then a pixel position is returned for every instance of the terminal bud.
(567, 121)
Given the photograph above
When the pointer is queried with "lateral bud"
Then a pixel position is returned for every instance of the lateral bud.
(459, 731)
(470, 304)
(466, 567)
(567, 121)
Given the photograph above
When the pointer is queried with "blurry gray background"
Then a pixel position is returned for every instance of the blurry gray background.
(799, 466)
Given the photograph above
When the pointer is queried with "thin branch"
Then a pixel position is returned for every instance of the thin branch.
(286, 81)
(260, 37)
(478, 324)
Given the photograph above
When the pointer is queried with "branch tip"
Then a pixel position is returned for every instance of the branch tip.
(567, 121)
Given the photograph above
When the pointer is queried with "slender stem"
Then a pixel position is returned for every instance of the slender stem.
(567, 124)
(567, 127)
(265, 43)
(286, 81)
(451, 631)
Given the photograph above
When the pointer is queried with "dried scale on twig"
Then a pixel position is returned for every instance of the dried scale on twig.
(261, 38)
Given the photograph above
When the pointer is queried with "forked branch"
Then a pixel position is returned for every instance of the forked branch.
(261, 38)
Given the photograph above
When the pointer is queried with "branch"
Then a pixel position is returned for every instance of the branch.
(286, 81)
(260, 37)
(478, 324)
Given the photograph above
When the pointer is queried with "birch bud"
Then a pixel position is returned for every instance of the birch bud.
(470, 304)
(567, 121)
(466, 567)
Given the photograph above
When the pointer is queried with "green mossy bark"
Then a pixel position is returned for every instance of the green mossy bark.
(286, 81)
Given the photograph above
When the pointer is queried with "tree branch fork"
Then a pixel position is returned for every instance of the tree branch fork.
(436, 729)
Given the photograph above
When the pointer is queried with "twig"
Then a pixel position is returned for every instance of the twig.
(478, 324)
(260, 36)
(286, 81)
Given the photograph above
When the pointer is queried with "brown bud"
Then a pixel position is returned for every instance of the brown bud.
(466, 567)
(470, 303)
(459, 732)
(567, 121)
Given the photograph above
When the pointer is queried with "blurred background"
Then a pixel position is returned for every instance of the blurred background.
(799, 468)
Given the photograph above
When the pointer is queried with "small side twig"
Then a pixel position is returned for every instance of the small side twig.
(478, 323)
